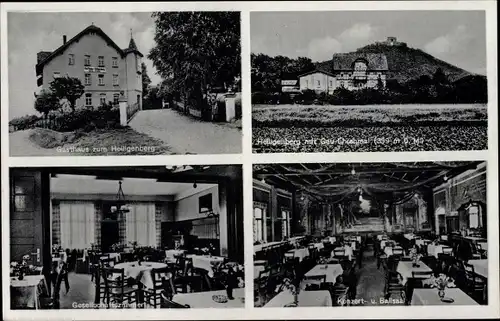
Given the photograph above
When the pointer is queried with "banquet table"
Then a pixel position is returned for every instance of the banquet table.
(434, 250)
(406, 268)
(388, 250)
(330, 239)
(348, 251)
(263, 246)
(306, 299)
(331, 271)
(171, 255)
(480, 267)
(141, 273)
(25, 291)
(354, 238)
(113, 256)
(206, 262)
(319, 246)
(205, 300)
(430, 297)
(381, 237)
(256, 271)
(300, 253)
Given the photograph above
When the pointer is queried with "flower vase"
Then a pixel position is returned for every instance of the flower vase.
(21, 275)
(441, 294)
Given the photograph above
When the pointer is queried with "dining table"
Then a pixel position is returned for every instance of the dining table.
(256, 271)
(389, 250)
(321, 298)
(346, 249)
(140, 272)
(318, 246)
(171, 255)
(406, 269)
(212, 299)
(435, 249)
(263, 246)
(480, 267)
(425, 296)
(206, 262)
(301, 253)
(330, 239)
(330, 271)
(25, 292)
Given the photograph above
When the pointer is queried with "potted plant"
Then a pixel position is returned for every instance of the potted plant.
(415, 257)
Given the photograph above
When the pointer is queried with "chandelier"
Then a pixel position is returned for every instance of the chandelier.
(120, 208)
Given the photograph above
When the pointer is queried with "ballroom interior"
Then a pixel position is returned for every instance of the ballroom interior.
(349, 234)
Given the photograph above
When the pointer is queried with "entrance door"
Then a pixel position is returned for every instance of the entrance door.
(109, 235)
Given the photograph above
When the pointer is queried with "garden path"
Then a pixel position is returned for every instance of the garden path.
(186, 135)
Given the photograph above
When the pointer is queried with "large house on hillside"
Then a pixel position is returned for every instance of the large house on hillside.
(106, 70)
(348, 70)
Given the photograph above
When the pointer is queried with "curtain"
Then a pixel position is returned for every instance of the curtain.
(141, 224)
(77, 224)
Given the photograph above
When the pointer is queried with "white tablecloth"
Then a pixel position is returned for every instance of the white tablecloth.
(300, 253)
(319, 246)
(306, 299)
(263, 246)
(406, 268)
(206, 262)
(430, 297)
(480, 267)
(348, 251)
(204, 299)
(141, 273)
(409, 236)
(381, 237)
(389, 250)
(484, 245)
(113, 256)
(435, 249)
(256, 271)
(421, 242)
(332, 271)
(25, 291)
(170, 255)
(331, 239)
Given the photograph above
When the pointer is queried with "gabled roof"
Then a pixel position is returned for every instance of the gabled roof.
(317, 70)
(84, 32)
(345, 61)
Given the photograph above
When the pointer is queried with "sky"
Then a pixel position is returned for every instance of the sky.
(29, 33)
(457, 37)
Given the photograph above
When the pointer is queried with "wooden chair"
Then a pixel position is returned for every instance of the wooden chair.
(261, 288)
(116, 289)
(339, 295)
(162, 280)
(475, 284)
(169, 304)
(393, 285)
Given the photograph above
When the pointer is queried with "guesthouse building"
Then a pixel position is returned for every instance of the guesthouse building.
(106, 70)
(351, 71)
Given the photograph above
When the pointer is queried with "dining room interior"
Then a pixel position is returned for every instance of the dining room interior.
(370, 234)
(126, 237)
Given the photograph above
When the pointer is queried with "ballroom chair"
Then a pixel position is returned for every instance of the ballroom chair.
(169, 304)
(339, 294)
(314, 282)
(162, 281)
(475, 284)
(261, 288)
(393, 285)
(117, 290)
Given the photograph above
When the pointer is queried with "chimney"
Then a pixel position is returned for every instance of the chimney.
(64, 39)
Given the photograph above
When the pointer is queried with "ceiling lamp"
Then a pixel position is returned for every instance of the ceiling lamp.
(120, 208)
(353, 171)
(195, 185)
(445, 178)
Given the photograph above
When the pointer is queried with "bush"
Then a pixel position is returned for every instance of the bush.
(105, 116)
(25, 122)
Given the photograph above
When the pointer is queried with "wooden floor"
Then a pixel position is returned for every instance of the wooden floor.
(370, 280)
(81, 291)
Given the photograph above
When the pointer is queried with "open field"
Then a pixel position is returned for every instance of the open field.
(294, 128)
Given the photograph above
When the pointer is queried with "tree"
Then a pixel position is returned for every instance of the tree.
(68, 88)
(46, 102)
(380, 83)
(146, 81)
(197, 50)
(439, 77)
